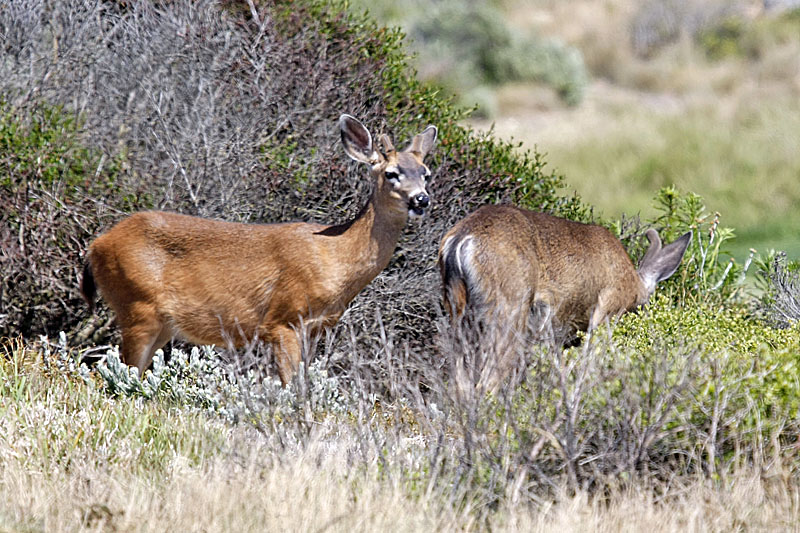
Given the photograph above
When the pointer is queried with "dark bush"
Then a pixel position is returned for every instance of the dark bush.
(48, 207)
(227, 112)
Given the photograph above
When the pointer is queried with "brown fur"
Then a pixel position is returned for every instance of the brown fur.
(505, 261)
(207, 281)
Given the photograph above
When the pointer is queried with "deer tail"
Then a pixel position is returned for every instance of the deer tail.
(88, 287)
(455, 265)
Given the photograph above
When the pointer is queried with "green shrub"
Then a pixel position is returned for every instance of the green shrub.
(54, 194)
(723, 40)
(727, 339)
(705, 274)
(668, 392)
(41, 147)
(466, 45)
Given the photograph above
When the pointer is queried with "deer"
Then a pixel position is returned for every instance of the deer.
(212, 282)
(505, 263)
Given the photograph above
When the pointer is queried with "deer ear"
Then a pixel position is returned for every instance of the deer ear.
(423, 142)
(660, 263)
(356, 140)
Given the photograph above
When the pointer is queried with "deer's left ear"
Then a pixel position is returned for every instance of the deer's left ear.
(422, 143)
(357, 140)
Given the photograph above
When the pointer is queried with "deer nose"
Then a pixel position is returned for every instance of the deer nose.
(422, 200)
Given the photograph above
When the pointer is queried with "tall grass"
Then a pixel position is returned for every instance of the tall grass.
(601, 436)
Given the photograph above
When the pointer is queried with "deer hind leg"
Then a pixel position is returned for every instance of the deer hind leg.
(286, 347)
(142, 334)
(504, 346)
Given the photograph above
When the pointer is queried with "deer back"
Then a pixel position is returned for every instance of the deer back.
(207, 276)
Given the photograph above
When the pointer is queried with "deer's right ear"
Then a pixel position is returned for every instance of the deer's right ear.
(357, 141)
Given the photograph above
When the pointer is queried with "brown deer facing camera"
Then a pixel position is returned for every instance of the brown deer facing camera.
(213, 282)
(504, 262)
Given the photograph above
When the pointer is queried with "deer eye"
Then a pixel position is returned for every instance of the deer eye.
(392, 175)
(427, 175)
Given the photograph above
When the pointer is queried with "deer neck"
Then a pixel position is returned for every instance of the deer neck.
(370, 240)
(373, 236)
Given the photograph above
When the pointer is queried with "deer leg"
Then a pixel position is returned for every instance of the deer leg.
(142, 334)
(601, 311)
(504, 346)
(286, 347)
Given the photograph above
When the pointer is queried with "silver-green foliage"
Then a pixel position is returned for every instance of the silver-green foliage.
(204, 379)
(779, 281)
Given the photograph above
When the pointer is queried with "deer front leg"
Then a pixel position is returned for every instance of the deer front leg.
(286, 348)
(604, 309)
(142, 334)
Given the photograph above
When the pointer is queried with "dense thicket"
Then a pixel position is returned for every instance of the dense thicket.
(216, 109)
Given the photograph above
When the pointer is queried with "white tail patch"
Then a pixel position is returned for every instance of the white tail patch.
(464, 253)
(458, 253)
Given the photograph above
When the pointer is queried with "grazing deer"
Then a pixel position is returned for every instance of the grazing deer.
(505, 262)
(212, 282)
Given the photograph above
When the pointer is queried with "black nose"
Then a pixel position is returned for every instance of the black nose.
(422, 200)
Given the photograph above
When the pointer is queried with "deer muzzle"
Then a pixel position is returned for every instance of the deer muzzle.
(418, 203)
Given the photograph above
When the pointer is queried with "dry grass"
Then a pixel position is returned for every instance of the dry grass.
(318, 490)
(246, 489)
(747, 503)
(561, 447)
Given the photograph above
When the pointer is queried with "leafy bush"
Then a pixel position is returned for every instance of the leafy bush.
(48, 210)
(481, 48)
(705, 274)
(723, 40)
(736, 36)
(669, 393)
(742, 352)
